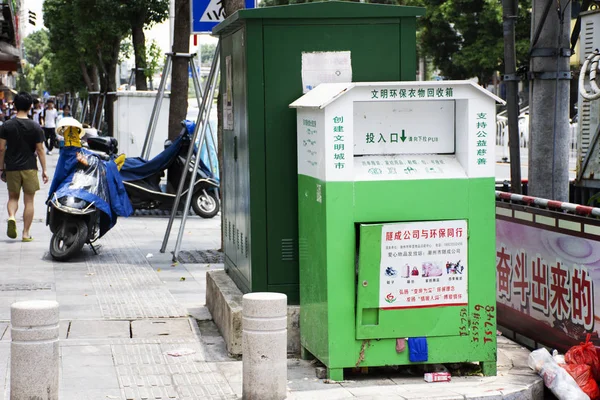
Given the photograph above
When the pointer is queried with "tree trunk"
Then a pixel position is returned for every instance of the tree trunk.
(86, 76)
(179, 75)
(95, 78)
(139, 48)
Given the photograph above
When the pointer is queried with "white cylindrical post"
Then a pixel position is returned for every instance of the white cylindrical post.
(264, 346)
(34, 352)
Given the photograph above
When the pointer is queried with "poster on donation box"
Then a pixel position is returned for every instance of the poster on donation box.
(423, 264)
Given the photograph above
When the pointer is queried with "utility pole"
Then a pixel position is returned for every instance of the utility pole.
(549, 100)
(509, 10)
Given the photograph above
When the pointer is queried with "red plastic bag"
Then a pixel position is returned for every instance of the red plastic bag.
(585, 353)
(582, 374)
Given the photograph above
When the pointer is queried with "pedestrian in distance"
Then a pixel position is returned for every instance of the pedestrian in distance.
(50, 116)
(36, 111)
(21, 140)
(66, 112)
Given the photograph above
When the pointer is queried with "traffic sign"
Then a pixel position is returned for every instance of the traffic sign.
(206, 14)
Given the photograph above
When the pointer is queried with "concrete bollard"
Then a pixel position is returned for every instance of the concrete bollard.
(264, 346)
(34, 351)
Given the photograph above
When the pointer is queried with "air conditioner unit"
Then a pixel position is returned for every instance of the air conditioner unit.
(589, 111)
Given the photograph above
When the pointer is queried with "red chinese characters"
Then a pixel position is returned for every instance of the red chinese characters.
(559, 291)
(582, 303)
(424, 234)
(521, 278)
(504, 273)
(539, 285)
(563, 291)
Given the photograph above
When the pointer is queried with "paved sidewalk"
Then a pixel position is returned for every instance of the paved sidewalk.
(134, 325)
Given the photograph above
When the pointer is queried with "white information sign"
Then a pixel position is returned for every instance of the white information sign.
(228, 98)
(325, 67)
(404, 127)
(423, 264)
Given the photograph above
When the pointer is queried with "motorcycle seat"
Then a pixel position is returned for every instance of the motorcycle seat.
(108, 145)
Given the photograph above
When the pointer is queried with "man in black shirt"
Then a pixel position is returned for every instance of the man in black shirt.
(20, 140)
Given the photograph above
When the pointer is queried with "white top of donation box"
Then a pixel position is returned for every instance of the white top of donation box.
(396, 131)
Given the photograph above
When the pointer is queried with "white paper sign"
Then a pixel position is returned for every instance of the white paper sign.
(325, 67)
(423, 264)
(228, 98)
(404, 127)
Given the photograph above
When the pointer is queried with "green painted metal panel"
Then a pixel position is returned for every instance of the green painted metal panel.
(331, 10)
(282, 66)
(373, 323)
(329, 285)
(260, 183)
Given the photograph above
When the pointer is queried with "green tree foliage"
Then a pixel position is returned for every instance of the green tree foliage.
(464, 38)
(140, 14)
(207, 53)
(36, 46)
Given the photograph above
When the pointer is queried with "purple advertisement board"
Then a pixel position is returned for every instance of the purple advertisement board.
(546, 278)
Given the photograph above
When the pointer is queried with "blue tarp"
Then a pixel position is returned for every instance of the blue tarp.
(208, 143)
(137, 168)
(98, 183)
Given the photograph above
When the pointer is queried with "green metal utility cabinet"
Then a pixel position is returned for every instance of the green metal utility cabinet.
(269, 57)
(396, 216)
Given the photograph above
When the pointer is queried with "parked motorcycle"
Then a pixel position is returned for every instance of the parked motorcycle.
(142, 179)
(86, 195)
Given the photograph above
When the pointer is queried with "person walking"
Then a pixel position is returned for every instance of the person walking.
(49, 115)
(21, 140)
(36, 111)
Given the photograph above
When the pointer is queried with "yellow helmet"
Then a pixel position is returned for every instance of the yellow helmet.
(71, 130)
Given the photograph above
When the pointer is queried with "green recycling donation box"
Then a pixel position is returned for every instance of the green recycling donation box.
(397, 224)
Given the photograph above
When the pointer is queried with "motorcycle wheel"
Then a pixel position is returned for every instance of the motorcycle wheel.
(68, 240)
(205, 206)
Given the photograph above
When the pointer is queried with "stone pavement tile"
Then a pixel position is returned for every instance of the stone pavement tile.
(86, 361)
(82, 379)
(85, 350)
(374, 389)
(74, 312)
(3, 329)
(99, 329)
(161, 327)
(337, 393)
(95, 394)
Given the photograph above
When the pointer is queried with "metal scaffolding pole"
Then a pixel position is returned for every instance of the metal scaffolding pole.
(199, 120)
(188, 199)
(157, 106)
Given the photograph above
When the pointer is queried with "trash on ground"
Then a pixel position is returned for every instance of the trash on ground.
(555, 378)
(437, 377)
(585, 353)
(180, 352)
(182, 278)
(582, 373)
(149, 255)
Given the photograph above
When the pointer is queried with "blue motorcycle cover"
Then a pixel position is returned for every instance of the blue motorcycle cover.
(136, 168)
(208, 147)
(99, 182)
